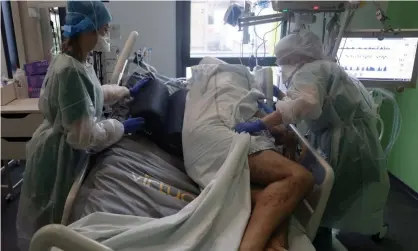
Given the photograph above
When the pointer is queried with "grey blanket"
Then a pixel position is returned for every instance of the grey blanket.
(135, 177)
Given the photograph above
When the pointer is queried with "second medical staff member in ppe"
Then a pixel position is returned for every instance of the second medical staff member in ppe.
(71, 100)
(343, 125)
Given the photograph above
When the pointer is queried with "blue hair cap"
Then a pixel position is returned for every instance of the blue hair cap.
(84, 16)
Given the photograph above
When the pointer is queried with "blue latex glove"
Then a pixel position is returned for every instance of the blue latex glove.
(137, 87)
(265, 107)
(250, 127)
(133, 124)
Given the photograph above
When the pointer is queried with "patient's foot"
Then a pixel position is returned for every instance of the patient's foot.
(273, 249)
(246, 247)
(275, 246)
(279, 241)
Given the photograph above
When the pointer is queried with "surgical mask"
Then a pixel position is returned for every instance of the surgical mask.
(103, 43)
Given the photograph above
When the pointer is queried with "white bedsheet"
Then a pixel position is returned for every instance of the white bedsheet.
(215, 220)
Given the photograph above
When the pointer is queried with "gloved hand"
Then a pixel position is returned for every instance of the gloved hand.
(276, 91)
(265, 107)
(250, 127)
(133, 124)
(137, 87)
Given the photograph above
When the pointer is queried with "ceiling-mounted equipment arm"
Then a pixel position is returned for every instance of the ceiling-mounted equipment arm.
(256, 20)
(308, 6)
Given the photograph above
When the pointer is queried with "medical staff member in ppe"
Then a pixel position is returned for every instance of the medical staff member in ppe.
(343, 126)
(72, 102)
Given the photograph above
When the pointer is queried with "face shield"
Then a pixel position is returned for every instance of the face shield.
(294, 50)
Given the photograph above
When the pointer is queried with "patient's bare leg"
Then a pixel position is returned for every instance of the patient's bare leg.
(286, 184)
(280, 238)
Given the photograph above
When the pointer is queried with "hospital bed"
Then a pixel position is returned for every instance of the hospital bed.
(97, 182)
(137, 177)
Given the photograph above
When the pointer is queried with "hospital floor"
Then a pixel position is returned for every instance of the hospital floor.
(401, 215)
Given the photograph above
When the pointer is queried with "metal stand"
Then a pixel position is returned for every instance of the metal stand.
(6, 173)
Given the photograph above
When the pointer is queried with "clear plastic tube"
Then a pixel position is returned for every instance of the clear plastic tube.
(396, 126)
(380, 96)
(382, 128)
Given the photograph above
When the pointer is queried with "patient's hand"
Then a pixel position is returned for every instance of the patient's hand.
(303, 152)
(287, 138)
(282, 134)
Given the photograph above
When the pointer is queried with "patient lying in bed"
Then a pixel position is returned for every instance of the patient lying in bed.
(219, 97)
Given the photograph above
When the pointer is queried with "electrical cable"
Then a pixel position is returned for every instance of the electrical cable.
(256, 34)
(254, 27)
(264, 43)
(341, 53)
(275, 38)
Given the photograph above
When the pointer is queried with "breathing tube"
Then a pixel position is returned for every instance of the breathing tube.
(381, 95)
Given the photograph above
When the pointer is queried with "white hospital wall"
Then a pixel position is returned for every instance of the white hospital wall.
(155, 22)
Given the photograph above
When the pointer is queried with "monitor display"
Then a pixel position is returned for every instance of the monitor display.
(369, 59)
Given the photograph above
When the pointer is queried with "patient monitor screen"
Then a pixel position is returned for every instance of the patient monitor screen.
(391, 59)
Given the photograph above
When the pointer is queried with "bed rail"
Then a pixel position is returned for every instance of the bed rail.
(82, 168)
(310, 212)
(62, 237)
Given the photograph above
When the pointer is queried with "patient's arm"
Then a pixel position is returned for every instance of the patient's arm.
(285, 137)
(273, 119)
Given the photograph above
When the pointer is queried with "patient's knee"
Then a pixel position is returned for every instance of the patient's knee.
(304, 178)
(267, 167)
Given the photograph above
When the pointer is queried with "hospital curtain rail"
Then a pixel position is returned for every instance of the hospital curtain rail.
(183, 30)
